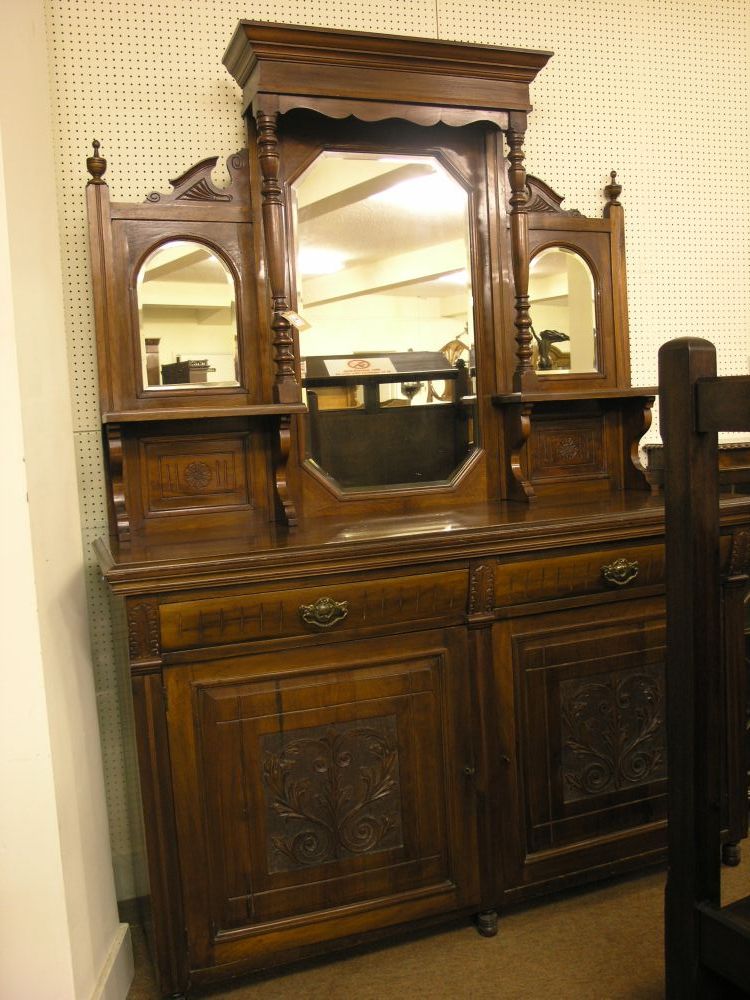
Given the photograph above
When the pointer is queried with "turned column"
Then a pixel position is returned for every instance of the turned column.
(285, 388)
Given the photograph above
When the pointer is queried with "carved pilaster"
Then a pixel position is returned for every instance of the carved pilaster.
(144, 642)
(482, 589)
(739, 559)
(286, 389)
(519, 237)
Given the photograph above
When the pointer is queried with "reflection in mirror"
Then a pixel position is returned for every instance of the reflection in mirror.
(187, 318)
(563, 313)
(386, 330)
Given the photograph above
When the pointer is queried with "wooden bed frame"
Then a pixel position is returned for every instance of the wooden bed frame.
(707, 945)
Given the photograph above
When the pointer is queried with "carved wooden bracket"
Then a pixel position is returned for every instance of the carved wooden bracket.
(115, 456)
(517, 428)
(541, 198)
(196, 184)
(286, 511)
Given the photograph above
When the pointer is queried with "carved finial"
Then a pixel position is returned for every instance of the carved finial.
(96, 165)
(613, 189)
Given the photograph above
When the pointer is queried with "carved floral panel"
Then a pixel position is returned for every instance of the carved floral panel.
(613, 732)
(331, 792)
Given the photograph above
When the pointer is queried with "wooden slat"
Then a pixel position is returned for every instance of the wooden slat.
(723, 404)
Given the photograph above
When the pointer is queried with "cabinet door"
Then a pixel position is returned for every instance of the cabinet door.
(584, 743)
(321, 793)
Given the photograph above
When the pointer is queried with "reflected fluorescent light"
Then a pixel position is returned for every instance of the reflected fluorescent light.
(436, 193)
(460, 277)
(312, 261)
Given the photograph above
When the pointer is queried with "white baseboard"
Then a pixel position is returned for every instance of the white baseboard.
(117, 974)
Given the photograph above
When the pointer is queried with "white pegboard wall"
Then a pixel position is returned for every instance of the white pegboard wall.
(657, 91)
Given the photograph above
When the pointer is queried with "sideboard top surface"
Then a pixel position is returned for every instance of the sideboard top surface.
(329, 545)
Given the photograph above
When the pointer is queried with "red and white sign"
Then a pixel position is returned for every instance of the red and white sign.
(359, 366)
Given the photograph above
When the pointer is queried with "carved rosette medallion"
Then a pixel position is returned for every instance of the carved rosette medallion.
(198, 475)
(331, 793)
(613, 733)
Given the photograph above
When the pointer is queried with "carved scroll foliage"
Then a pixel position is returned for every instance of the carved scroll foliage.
(613, 733)
(196, 184)
(332, 792)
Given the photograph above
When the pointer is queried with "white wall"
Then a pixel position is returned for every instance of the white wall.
(60, 935)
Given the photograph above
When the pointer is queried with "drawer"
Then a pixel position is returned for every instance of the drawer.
(620, 568)
(429, 598)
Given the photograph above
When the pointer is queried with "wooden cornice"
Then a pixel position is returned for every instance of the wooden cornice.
(307, 61)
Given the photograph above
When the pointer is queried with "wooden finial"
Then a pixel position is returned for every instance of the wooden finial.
(96, 165)
(613, 189)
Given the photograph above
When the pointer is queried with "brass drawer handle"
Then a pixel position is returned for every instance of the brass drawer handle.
(324, 613)
(620, 572)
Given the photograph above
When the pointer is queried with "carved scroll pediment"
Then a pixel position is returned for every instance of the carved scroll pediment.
(196, 184)
(541, 198)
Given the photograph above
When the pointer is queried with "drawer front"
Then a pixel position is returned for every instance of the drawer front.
(620, 568)
(334, 608)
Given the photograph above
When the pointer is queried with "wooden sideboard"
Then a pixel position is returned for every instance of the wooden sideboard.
(393, 571)
(363, 727)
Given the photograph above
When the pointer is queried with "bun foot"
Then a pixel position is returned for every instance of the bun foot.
(731, 854)
(487, 923)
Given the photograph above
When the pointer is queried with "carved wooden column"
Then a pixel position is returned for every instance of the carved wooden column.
(286, 389)
(519, 237)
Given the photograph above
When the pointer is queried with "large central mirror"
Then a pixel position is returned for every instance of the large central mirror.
(385, 318)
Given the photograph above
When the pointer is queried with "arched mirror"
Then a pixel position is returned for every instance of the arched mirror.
(187, 318)
(386, 331)
(562, 298)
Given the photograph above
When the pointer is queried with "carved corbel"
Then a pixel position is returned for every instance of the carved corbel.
(517, 428)
(286, 388)
(116, 459)
(286, 511)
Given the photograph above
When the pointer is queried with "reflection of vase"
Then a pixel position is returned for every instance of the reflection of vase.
(152, 360)
(545, 339)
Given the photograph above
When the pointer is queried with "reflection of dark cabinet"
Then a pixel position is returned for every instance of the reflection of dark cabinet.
(311, 782)
(390, 445)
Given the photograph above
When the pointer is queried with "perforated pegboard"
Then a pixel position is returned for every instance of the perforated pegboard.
(657, 91)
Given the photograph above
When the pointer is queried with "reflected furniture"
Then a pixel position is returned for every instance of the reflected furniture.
(707, 944)
(394, 591)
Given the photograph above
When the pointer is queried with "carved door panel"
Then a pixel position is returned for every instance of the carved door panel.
(585, 748)
(311, 783)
